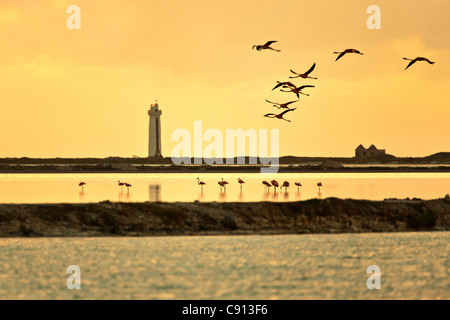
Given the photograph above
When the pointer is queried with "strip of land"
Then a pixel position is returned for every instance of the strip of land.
(330, 215)
(128, 168)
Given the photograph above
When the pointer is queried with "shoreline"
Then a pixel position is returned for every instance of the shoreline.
(331, 215)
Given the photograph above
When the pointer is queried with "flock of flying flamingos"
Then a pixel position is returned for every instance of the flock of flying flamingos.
(291, 88)
(298, 90)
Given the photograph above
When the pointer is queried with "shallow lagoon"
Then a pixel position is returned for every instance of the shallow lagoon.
(54, 188)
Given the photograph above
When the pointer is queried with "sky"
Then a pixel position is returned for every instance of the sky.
(85, 92)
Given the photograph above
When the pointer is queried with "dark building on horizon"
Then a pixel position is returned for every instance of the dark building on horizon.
(372, 151)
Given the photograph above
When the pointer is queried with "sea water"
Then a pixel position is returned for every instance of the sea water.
(321, 266)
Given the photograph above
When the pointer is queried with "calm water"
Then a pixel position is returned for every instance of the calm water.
(413, 266)
(48, 188)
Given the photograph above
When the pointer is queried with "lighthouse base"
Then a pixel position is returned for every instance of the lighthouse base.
(156, 157)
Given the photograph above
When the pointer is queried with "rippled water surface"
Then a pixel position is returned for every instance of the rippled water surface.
(51, 188)
(413, 266)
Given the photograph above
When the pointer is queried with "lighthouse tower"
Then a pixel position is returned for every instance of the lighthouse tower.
(154, 134)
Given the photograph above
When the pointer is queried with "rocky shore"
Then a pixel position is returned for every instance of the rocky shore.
(330, 215)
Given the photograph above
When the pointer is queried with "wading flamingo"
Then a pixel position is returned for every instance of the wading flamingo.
(240, 181)
(415, 60)
(275, 184)
(81, 184)
(128, 186)
(223, 184)
(304, 75)
(268, 185)
(120, 184)
(341, 54)
(285, 185)
(298, 184)
(200, 183)
(319, 184)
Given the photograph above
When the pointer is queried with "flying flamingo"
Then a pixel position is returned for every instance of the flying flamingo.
(275, 184)
(279, 116)
(284, 83)
(298, 184)
(341, 54)
(285, 185)
(240, 181)
(304, 75)
(415, 60)
(296, 90)
(265, 46)
(267, 184)
(319, 184)
(201, 183)
(281, 105)
(81, 184)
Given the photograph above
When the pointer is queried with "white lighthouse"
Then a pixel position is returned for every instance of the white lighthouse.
(154, 134)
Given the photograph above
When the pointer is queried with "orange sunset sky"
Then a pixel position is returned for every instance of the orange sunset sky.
(85, 93)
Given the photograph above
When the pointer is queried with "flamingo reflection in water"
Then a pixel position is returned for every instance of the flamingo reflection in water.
(222, 195)
(154, 192)
(240, 195)
(201, 196)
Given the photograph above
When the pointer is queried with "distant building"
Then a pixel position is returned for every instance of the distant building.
(154, 136)
(362, 152)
